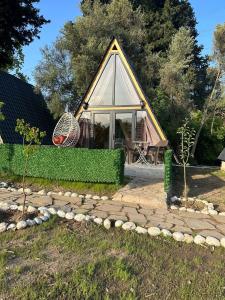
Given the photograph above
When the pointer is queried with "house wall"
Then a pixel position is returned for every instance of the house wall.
(223, 165)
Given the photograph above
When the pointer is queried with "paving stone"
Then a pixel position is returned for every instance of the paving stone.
(87, 206)
(145, 211)
(175, 221)
(155, 218)
(61, 203)
(221, 227)
(130, 210)
(98, 213)
(61, 198)
(162, 212)
(107, 207)
(212, 233)
(80, 211)
(182, 229)
(76, 200)
(111, 202)
(116, 217)
(219, 219)
(198, 224)
(186, 214)
(165, 225)
(137, 218)
(37, 201)
(90, 201)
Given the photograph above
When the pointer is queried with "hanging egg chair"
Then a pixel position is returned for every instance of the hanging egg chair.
(67, 131)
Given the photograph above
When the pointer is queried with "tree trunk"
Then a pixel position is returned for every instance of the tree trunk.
(185, 184)
(204, 116)
(23, 184)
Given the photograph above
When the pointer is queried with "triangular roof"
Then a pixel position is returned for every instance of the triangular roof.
(114, 47)
(222, 155)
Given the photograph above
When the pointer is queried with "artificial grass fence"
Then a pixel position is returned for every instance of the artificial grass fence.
(74, 164)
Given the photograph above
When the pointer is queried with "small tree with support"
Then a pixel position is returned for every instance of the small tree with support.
(187, 137)
(32, 137)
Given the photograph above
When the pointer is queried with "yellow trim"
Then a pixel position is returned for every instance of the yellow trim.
(111, 108)
(138, 89)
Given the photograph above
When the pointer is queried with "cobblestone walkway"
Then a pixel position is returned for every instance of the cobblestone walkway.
(140, 214)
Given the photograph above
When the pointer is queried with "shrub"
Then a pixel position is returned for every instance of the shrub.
(74, 164)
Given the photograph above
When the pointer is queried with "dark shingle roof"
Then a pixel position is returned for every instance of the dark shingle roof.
(21, 102)
(222, 155)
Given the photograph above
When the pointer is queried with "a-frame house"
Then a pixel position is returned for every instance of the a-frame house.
(114, 111)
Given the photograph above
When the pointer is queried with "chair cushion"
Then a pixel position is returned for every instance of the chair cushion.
(58, 140)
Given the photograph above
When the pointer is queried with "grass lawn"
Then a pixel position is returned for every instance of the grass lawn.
(67, 260)
(62, 185)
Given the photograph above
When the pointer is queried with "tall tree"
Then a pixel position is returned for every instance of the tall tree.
(20, 23)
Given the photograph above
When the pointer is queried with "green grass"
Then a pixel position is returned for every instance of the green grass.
(67, 260)
(62, 185)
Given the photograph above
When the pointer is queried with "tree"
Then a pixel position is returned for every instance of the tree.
(219, 61)
(186, 141)
(31, 136)
(2, 117)
(20, 23)
(54, 77)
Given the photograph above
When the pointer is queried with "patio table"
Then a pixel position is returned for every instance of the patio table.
(141, 146)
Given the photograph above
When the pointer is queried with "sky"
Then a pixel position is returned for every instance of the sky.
(208, 13)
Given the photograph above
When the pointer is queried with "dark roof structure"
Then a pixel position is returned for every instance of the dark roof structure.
(222, 155)
(22, 102)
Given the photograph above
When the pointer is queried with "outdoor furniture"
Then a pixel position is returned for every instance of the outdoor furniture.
(142, 149)
(67, 131)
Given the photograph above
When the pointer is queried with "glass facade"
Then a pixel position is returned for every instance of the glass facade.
(123, 129)
(101, 130)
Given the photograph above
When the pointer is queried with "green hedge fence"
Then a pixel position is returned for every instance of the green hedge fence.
(74, 164)
(168, 171)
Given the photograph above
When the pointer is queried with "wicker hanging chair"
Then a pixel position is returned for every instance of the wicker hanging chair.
(67, 131)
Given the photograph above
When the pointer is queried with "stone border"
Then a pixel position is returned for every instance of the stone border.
(45, 216)
(207, 210)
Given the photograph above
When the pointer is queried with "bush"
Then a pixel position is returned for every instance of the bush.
(168, 171)
(74, 164)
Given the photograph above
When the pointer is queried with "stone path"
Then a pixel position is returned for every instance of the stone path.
(146, 186)
(140, 214)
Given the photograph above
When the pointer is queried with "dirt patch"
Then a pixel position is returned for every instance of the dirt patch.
(12, 216)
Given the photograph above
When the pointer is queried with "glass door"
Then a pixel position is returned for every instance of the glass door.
(102, 125)
(123, 129)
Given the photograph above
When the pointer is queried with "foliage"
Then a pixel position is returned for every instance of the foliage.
(2, 117)
(31, 136)
(187, 134)
(20, 23)
(85, 165)
(168, 170)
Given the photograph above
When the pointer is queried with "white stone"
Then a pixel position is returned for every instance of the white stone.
(190, 210)
(13, 190)
(178, 236)
(21, 225)
(60, 193)
(212, 241)
(107, 223)
(69, 216)
(188, 238)
(222, 213)
(204, 211)
(30, 222)
(11, 226)
(81, 196)
(4, 206)
(182, 208)
(213, 212)
(79, 217)
(222, 242)
(141, 230)
(44, 218)
(31, 209)
(49, 193)
(52, 211)
(210, 206)
(154, 231)
(98, 221)
(61, 213)
(3, 227)
(128, 226)
(68, 194)
(166, 232)
(20, 208)
(87, 218)
(42, 192)
(74, 195)
(199, 240)
(13, 207)
(28, 191)
(174, 207)
(42, 208)
(88, 196)
(174, 199)
(104, 197)
(3, 184)
(38, 220)
(118, 223)
(96, 197)
(47, 214)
